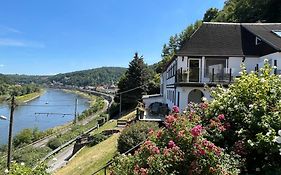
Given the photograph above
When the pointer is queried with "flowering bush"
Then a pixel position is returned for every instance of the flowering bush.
(251, 120)
(22, 169)
(179, 148)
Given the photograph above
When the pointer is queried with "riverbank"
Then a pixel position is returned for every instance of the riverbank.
(24, 98)
(29, 97)
(92, 98)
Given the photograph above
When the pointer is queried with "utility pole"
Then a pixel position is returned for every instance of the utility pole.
(75, 111)
(120, 105)
(11, 133)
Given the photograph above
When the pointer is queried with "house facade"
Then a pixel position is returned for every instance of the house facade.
(213, 55)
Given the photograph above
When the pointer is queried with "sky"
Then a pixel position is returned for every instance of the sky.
(58, 36)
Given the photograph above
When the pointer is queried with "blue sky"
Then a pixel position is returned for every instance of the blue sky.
(57, 36)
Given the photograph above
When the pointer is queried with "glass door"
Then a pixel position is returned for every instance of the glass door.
(194, 70)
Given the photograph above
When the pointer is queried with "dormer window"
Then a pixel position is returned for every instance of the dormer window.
(258, 40)
(277, 32)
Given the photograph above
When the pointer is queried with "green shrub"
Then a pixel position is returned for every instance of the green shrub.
(24, 137)
(21, 169)
(97, 138)
(30, 156)
(54, 143)
(134, 134)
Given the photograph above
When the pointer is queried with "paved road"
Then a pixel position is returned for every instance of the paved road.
(60, 159)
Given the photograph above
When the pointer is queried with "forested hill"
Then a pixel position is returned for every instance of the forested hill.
(98, 76)
(91, 77)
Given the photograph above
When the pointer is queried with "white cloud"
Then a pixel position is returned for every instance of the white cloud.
(2, 65)
(20, 43)
(6, 30)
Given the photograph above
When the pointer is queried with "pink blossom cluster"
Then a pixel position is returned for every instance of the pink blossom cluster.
(203, 106)
(141, 171)
(217, 123)
(175, 153)
(151, 147)
(175, 109)
(221, 117)
(205, 147)
(196, 130)
(169, 120)
(159, 133)
(171, 144)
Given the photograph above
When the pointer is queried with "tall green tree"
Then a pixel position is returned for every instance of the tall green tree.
(135, 76)
(210, 14)
(250, 11)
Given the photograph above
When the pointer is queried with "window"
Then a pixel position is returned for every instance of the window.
(218, 64)
(277, 32)
(258, 40)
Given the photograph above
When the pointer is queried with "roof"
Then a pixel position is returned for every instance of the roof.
(265, 32)
(213, 39)
(228, 39)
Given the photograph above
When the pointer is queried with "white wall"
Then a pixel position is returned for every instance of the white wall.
(272, 57)
(184, 91)
(182, 62)
(149, 100)
(251, 63)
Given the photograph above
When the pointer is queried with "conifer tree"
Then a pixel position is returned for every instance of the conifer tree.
(135, 76)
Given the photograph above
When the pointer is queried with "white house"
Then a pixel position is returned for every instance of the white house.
(213, 55)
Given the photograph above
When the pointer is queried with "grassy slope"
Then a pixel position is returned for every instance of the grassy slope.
(91, 159)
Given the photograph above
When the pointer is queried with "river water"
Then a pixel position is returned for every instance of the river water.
(52, 101)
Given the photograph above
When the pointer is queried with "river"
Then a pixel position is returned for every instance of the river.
(52, 101)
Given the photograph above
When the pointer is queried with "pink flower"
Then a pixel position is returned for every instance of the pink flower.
(222, 128)
(181, 133)
(202, 152)
(155, 150)
(159, 134)
(150, 131)
(175, 109)
(203, 105)
(171, 144)
(221, 117)
(196, 131)
(143, 171)
(169, 120)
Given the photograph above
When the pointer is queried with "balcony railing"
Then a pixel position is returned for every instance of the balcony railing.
(193, 75)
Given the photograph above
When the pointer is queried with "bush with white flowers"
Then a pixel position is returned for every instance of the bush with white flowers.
(252, 107)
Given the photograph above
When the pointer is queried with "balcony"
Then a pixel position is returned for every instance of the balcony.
(213, 75)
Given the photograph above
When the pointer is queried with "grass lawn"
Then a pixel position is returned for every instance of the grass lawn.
(129, 116)
(91, 159)
(108, 125)
(28, 97)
